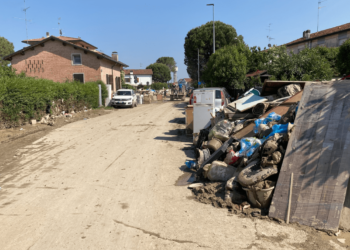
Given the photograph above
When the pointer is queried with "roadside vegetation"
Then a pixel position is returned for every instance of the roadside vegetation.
(23, 98)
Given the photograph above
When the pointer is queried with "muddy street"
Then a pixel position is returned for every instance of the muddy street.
(109, 183)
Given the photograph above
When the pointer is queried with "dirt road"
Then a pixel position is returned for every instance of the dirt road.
(108, 183)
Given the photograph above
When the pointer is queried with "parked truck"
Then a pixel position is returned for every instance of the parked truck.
(178, 92)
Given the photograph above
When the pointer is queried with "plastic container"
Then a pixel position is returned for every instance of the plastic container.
(260, 198)
(190, 164)
(214, 144)
(272, 117)
(221, 130)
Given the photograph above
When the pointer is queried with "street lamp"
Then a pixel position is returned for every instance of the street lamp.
(211, 4)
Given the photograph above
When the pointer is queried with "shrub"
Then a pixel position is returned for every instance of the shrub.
(127, 86)
(23, 98)
(104, 90)
(343, 62)
(159, 85)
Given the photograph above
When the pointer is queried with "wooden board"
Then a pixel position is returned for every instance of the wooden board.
(189, 120)
(247, 102)
(318, 155)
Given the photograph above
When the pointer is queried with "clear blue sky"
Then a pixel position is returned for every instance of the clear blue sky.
(142, 31)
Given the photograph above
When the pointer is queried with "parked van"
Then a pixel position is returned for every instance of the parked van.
(206, 101)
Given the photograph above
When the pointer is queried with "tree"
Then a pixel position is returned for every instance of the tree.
(168, 61)
(226, 68)
(257, 59)
(202, 38)
(6, 48)
(330, 54)
(308, 64)
(343, 62)
(161, 72)
(122, 77)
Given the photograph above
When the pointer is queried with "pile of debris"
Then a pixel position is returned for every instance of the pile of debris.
(247, 167)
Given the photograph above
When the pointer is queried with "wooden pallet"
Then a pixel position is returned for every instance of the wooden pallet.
(318, 155)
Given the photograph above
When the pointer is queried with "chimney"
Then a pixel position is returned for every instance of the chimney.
(115, 56)
(47, 34)
(304, 34)
(308, 34)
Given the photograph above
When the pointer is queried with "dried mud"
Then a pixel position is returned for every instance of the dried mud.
(213, 193)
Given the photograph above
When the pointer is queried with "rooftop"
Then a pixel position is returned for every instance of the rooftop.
(77, 41)
(337, 29)
(139, 71)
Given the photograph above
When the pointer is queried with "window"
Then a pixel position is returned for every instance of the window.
(78, 77)
(342, 37)
(321, 41)
(76, 59)
(124, 92)
(217, 94)
(107, 79)
(147, 83)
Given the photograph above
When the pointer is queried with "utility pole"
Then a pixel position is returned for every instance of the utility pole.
(211, 4)
(198, 65)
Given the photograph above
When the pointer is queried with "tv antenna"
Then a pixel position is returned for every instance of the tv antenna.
(59, 26)
(25, 18)
(269, 37)
(318, 11)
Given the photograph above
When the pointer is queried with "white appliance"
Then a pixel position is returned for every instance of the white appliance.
(206, 101)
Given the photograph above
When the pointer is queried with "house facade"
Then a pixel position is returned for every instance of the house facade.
(66, 59)
(333, 37)
(138, 77)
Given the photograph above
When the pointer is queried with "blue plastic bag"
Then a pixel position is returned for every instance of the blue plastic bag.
(272, 117)
(249, 145)
(279, 128)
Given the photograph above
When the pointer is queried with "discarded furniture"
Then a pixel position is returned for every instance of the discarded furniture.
(247, 102)
(189, 120)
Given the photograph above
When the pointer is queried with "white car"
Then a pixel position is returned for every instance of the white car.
(124, 98)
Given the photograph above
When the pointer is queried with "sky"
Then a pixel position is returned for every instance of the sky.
(142, 31)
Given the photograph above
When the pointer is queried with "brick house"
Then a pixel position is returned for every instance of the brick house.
(333, 37)
(65, 59)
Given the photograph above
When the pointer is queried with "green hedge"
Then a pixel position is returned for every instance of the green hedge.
(158, 85)
(127, 86)
(24, 98)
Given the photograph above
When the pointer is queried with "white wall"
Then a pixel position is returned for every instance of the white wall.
(143, 79)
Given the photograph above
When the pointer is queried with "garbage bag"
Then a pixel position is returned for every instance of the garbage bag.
(289, 90)
(231, 157)
(236, 196)
(279, 128)
(249, 145)
(232, 183)
(272, 117)
(219, 171)
(221, 130)
(253, 173)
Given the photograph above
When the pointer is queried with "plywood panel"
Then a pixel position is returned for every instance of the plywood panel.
(318, 155)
